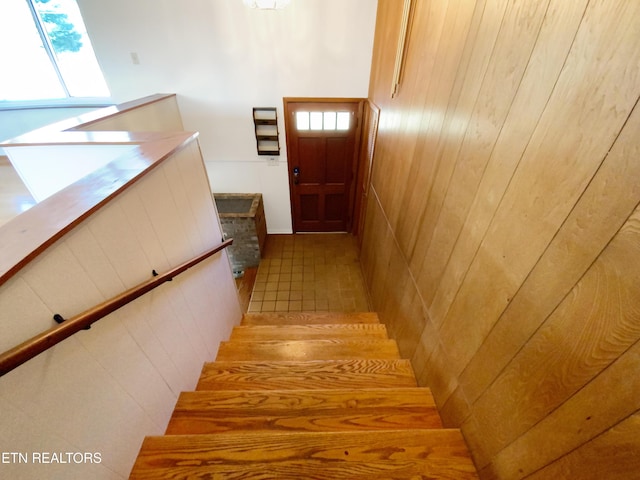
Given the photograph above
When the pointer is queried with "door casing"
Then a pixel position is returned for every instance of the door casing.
(353, 176)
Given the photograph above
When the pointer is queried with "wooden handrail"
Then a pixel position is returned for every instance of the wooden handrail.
(36, 345)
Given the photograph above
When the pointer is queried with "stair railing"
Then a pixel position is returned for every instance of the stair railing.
(27, 350)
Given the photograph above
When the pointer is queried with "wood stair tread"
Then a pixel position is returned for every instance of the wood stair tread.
(304, 410)
(311, 375)
(308, 350)
(394, 454)
(313, 396)
(309, 332)
(307, 318)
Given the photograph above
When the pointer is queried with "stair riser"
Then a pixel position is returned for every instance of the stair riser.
(319, 375)
(287, 400)
(309, 332)
(225, 421)
(308, 318)
(307, 350)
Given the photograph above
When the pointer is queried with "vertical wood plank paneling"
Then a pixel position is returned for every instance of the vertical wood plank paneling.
(426, 30)
(607, 203)
(593, 326)
(448, 56)
(421, 359)
(576, 421)
(377, 248)
(500, 84)
(470, 74)
(387, 29)
(495, 229)
(552, 46)
(554, 171)
(613, 454)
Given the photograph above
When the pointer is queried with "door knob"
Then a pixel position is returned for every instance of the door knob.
(296, 175)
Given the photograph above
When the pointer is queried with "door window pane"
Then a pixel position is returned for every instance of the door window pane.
(302, 120)
(343, 120)
(329, 120)
(316, 120)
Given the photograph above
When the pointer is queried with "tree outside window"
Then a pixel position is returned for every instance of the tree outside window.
(47, 51)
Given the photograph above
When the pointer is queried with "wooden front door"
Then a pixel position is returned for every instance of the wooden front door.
(322, 161)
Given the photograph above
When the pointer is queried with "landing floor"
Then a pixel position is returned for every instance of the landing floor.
(309, 272)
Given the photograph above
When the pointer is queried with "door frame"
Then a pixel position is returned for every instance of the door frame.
(355, 163)
(369, 135)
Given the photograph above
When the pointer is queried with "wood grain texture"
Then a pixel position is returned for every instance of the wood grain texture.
(597, 217)
(530, 98)
(436, 454)
(308, 318)
(546, 187)
(483, 30)
(303, 410)
(500, 85)
(446, 60)
(307, 350)
(614, 454)
(575, 422)
(309, 332)
(501, 187)
(306, 375)
(594, 325)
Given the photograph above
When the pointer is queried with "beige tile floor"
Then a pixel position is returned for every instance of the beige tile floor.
(309, 272)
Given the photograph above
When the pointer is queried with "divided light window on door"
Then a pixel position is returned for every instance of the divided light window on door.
(323, 120)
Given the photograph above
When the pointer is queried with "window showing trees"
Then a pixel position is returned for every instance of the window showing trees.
(46, 52)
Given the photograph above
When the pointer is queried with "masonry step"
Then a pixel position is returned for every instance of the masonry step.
(307, 318)
(308, 350)
(388, 455)
(310, 332)
(303, 410)
(298, 375)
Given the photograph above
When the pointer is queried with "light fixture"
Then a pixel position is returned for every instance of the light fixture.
(267, 4)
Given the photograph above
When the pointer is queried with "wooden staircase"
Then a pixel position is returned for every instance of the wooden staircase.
(306, 396)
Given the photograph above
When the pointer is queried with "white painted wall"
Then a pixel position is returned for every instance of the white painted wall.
(222, 59)
(104, 389)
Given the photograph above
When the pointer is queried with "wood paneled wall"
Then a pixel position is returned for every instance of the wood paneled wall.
(502, 241)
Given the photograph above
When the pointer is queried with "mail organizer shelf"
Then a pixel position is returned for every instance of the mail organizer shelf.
(265, 121)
